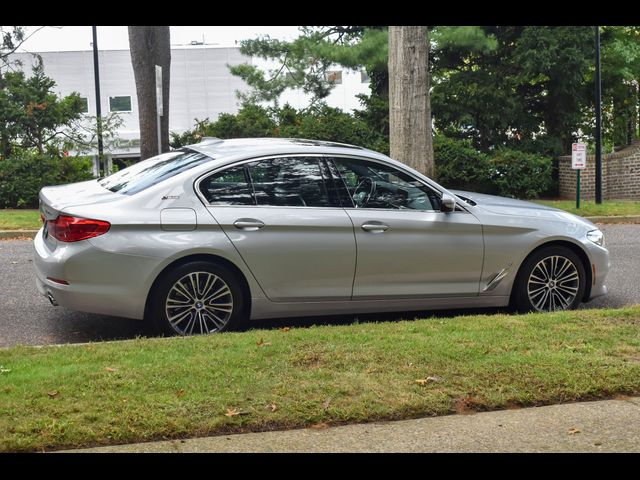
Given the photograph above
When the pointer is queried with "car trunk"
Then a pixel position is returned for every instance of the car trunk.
(53, 200)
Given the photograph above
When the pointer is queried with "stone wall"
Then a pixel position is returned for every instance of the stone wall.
(620, 175)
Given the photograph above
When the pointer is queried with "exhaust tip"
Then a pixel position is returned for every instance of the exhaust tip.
(52, 299)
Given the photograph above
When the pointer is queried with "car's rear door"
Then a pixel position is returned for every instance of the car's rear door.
(285, 222)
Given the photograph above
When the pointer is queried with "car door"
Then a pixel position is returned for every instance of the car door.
(407, 247)
(287, 225)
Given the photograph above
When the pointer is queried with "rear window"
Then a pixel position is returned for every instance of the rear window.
(152, 171)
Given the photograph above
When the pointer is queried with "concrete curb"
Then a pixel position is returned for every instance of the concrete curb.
(614, 219)
(13, 234)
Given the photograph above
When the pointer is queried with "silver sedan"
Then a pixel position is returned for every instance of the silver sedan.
(209, 237)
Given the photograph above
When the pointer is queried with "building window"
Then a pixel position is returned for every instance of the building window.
(364, 77)
(84, 101)
(334, 76)
(120, 104)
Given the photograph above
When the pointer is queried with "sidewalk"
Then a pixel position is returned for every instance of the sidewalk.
(601, 426)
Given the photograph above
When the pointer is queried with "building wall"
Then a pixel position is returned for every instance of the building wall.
(201, 84)
(620, 176)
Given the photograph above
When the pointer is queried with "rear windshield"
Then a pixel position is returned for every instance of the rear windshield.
(152, 171)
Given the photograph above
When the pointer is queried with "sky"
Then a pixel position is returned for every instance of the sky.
(64, 38)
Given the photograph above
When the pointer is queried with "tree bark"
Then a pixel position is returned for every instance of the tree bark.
(150, 46)
(410, 134)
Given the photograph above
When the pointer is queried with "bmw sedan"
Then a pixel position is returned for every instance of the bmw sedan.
(213, 236)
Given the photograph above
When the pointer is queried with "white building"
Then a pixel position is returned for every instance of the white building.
(201, 86)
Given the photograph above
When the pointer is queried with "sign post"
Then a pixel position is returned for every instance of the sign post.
(578, 163)
(159, 104)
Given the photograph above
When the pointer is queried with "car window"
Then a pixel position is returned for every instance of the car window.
(375, 185)
(289, 181)
(229, 187)
(152, 171)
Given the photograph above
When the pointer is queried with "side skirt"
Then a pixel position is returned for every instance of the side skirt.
(261, 308)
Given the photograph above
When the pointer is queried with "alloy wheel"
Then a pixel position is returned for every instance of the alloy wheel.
(199, 302)
(553, 284)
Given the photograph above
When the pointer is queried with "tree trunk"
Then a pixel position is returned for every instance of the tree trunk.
(149, 47)
(409, 109)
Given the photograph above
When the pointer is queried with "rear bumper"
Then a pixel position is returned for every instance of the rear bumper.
(99, 282)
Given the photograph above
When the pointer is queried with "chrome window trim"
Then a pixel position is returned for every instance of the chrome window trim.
(327, 157)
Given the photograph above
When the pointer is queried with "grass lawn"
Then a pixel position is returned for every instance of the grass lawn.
(145, 389)
(591, 209)
(19, 219)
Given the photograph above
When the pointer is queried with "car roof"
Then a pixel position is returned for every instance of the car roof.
(254, 147)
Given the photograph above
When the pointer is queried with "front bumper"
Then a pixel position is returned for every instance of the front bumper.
(600, 265)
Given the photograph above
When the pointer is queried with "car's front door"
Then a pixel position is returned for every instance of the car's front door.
(407, 247)
(287, 225)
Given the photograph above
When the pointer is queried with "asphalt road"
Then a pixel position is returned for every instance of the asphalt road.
(27, 318)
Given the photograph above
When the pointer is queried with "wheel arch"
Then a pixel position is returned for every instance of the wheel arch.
(203, 257)
(575, 248)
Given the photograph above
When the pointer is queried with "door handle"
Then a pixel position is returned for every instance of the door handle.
(249, 224)
(374, 227)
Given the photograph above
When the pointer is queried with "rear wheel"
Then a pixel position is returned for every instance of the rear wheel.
(197, 298)
(551, 279)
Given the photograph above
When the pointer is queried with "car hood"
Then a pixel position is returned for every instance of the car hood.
(521, 208)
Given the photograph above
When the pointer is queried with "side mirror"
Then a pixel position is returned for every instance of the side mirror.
(448, 203)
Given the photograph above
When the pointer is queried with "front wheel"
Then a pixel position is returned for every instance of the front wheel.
(551, 279)
(197, 298)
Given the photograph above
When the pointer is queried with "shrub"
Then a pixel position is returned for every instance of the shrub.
(23, 175)
(460, 166)
(520, 175)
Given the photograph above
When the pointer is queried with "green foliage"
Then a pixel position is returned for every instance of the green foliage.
(320, 122)
(24, 174)
(460, 166)
(504, 172)
(520, 175)
(31, 114)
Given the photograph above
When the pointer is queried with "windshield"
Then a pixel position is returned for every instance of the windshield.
(152, 171)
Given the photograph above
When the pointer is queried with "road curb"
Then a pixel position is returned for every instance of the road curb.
(615, 219)
(17, 234)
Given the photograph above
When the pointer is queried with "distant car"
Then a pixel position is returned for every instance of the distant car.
(207, 237)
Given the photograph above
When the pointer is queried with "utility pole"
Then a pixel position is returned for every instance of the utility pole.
(96, 74)
(598, 122)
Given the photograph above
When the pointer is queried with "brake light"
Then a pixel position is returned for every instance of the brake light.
(73, 229)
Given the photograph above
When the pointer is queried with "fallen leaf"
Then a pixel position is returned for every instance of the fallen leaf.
(273, 407)
(180, 393)
(109, 369)
(573, 431)
(434, 379)
(422, 381)
(232, 412)
(326, 404)
(262, 343)
(53, 394)
(14, 263)
(319, 426)
(4, 370)
(285, 329)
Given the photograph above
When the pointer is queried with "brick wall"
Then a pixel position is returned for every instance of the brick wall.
(620, 175)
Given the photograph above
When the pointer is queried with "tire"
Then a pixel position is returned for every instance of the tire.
(219, 305)
(563, 287)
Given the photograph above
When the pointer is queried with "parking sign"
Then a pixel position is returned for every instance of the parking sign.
(578, 156)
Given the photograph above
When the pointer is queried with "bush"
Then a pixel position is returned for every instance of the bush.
(460, 166)
(520, 175)
(23, 175)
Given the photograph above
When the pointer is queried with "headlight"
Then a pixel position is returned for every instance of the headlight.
(596, 236)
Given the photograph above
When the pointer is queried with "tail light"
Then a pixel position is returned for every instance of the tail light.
(73, 229)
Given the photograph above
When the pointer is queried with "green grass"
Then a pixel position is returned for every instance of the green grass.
(591, 209)
(145, 389)
(19, 219)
